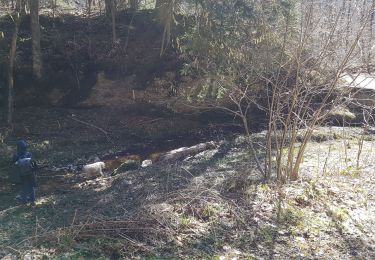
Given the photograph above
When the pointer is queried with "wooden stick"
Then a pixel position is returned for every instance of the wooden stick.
(93, 126)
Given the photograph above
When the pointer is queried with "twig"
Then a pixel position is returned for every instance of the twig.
(93, 126)
(2, 212)
(192, 175)
(134, 242)
(74, 218)
(15, 250)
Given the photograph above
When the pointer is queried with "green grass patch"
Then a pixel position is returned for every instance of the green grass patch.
(184, 221)
(350, 171)
(339, 214)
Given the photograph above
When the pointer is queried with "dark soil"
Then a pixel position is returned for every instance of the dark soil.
(75, 49)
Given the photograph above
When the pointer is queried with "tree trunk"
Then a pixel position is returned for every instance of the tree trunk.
(108, 7)
(89, 5)
(165, 12)
(113, 12)
(134, 4)
(18, 5)
(370, 41)
(21, 6)
(158, 4)
(54, 5)
(12, 58)
(184, 152)
(35, 41)
(348, 25)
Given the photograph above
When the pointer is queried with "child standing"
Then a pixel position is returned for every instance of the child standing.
(25, 171)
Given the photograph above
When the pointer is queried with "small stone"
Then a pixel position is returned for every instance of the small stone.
(226, 248)
(28, 257)
(9, 257)
(146, 163)
(300, 239)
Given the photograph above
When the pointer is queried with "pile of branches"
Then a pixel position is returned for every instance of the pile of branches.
(141, 231)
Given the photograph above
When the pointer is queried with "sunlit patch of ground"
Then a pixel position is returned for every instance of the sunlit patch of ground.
(97, 184)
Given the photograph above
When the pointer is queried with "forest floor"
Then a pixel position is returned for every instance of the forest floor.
(211, 205)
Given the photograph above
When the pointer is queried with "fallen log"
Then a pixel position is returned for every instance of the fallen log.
(184, 152)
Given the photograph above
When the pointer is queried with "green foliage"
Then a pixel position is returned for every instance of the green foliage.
(291, 216)
(311, 191)
(267, 233)
(338, 213)
(264, 187)
(210, 211)
(350, 171)
(233, 42)
(184, 221)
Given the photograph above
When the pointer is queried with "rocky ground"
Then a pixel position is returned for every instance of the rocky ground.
(211, 205)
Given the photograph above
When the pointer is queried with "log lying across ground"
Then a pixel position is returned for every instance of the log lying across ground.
(184, 152)
(131, 162)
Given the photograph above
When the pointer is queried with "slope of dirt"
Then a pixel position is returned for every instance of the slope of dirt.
(210, 205)
(76, 48)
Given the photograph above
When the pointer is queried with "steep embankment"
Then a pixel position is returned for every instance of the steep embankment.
(75, 49)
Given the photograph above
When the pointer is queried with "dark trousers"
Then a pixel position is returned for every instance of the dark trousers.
(15, 177)
(27, 193)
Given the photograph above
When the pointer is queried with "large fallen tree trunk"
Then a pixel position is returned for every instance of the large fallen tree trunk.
(131, 162)
(184, 152)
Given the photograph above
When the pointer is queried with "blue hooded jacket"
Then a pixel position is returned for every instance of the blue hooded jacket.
(23, 160)
(21, 151)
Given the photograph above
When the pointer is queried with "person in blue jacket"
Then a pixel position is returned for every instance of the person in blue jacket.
(21, 151)
(26, 173)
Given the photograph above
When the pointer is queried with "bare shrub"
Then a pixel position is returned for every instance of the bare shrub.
(284, 58)
(306, 88)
